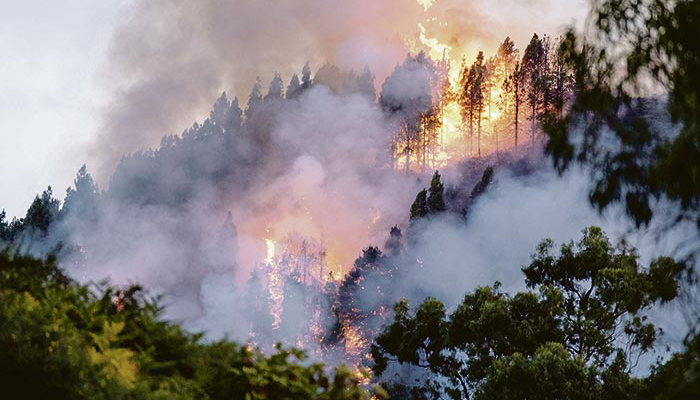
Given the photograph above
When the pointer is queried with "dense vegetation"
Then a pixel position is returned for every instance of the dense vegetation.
(63, 340)
(577, 334)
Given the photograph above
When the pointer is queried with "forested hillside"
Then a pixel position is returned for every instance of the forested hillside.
(517, 225)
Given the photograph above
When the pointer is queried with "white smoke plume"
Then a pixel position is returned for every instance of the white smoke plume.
(168, 59)
(319, 169)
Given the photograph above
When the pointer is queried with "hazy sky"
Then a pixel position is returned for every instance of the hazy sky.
(49, 53)
(52, 103)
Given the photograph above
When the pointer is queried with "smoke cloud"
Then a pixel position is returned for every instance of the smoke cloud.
(168, 59)
(317, 167)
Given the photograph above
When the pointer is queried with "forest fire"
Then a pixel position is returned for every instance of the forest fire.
(457, 111)
(275, 284)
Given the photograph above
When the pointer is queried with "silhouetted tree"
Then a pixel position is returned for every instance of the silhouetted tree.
(274, 92)
(42, 212)
(419, 208)
(533, 70)
(294, 87)
(254, 99)
(436, 201)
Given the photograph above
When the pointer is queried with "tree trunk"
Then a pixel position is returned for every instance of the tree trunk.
(471, 133)
(478, 138)
(407, 150)
(517, 111)
(425, 136)
(532, 129)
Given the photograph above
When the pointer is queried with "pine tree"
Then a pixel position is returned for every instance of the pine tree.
(508, 73)
(219, 110)
(477, 95)
(43, 211)
(419, 209)
(514, 88)
(471, 99)
(467, 77)
(490, 75)
(294, 87)
(306, 77)
(392, 247)
(562, 78)
(436, 201)
(82, 203)
(234, 117)
(366, 84)
(274, 92)
(533, 70)
(254, 99)
(407, 113)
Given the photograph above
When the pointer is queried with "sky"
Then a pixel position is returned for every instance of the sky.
(49, 97)
(66, 66)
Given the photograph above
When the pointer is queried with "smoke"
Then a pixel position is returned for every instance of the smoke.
(168, 59)
(316, 167)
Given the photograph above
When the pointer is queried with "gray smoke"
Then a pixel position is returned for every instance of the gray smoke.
(168, 59)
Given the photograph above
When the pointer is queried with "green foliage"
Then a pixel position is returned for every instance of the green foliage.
(603, 288)
(436, 201)
(483, 184)
(63, 340)
(419, 208)
(83, 201)
(575, 336)
(42, 211)
(429, 201)
(636, 44)
(679, 378)
(551, 373)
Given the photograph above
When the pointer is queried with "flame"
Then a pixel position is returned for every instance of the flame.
(437, 49)
(275, 285)
(296, 238)
(425, 3)
(356, 351)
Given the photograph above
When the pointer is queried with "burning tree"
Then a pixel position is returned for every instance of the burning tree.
(407, 98)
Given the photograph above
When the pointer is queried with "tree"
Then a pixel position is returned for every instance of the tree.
(635, 44)
(506, 61)
(419, 208)
(490, 77)
(254, 99)
(599, 308)
(407, 105)
(679, 377)
(506, 57)
(513, 87)
(82, 203)
(306, 77)
(477, 95)
(294, 87)
(219, 110)
(274, 92)
(533, 71)
(562, 79)
(234, 117)
(366, 84)
(63, 340)
(3, 225)
(42, 212)
(436, 202)
(471, 97)
(583, 322)
(8, 231)
(466, 82)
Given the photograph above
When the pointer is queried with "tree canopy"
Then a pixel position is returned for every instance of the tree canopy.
(576, 334)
